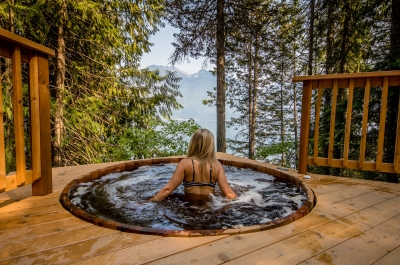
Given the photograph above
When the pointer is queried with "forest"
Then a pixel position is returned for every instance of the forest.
(105, 108)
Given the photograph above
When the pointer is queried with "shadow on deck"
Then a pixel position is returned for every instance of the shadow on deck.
(354, 222)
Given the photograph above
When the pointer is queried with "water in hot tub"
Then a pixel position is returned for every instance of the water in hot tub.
(123, 196)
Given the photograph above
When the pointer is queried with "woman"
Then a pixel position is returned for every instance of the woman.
(199, 172)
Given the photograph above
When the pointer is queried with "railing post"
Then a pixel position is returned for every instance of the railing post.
(18, 114)
(44, 185)
(305, 127)
(2, 146)
(34, 115)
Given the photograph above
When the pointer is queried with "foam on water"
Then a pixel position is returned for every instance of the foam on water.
(123, 196)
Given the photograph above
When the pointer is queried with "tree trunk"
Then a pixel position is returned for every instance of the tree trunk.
(341, 98)
(311, 37)
(327, 95)
(250, 92)
(221, 131)
(282, 126)
(11, 18)
(60, 82)
(254, 103)
(329, 37)
(345, 37)
(296, 151)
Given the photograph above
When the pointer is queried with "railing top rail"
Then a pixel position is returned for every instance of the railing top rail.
(350, 75)
(23, 42)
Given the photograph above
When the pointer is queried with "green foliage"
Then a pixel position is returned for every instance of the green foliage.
(160, 140)
(104, 93)
(273, 152)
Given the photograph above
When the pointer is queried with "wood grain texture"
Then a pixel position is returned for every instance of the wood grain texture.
(371, 245)
(79, 251)
(304, 127)
(44, 185)
(316, 126)
(393, 258)
(349, 214)
(348, 123)
(2, 146)
(343, 76)
(42, 243)
(18, 115)
(332, 122)
(397, 145)
(34, 115)
(9, 37)
(382, 122)
(153, 250)
(364, 124)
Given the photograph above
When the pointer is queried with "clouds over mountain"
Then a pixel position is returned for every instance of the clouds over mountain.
(193, 88)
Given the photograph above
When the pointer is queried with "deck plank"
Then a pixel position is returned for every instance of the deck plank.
(156, 249)
(24, 212)
(33, 220)
(11, 250)
(392, 258)
(29, 204)
(299, 248)
(239, 245)
(22, 234)
(343, 194)
(349, 214)
(83, 250)
(369, 246)
(354, 204)
(272, 244)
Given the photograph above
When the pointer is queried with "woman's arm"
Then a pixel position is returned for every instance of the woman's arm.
(224, 185)
(172, 184)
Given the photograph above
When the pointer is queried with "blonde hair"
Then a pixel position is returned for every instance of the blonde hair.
(202, 148)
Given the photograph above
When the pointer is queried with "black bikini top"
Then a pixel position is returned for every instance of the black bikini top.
(192, 184)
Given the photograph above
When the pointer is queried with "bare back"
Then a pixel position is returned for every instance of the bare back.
(198, 187)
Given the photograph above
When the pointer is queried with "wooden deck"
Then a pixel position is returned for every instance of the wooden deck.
(354, 222)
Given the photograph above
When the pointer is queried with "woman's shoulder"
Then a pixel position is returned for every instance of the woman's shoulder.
(219, 165)
(186, 162)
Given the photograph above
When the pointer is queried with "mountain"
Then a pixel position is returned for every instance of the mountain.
(193, 88)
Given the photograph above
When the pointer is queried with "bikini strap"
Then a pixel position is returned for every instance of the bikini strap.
(193, 170)
(210, 172)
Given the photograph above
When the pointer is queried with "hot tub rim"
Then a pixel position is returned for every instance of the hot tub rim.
(286, 176)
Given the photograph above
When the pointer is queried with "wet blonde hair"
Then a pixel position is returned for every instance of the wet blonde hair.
(202, 148)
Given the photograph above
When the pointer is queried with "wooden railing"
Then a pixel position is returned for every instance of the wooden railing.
(349, 81)
(21, 50)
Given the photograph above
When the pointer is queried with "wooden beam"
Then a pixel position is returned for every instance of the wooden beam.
(18, 115)
(332, 124)
(317, 116)
(364, 123)
(2, 146)
(352, 164)
(44, 185)
(382, 121)
(35, 118)
(6, 50)
(7, 36)
(346, 76)
(305, 127)
(397, 146)
(348, 122)
(11, 180)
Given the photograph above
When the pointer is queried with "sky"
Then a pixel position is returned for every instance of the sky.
(162, 50)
